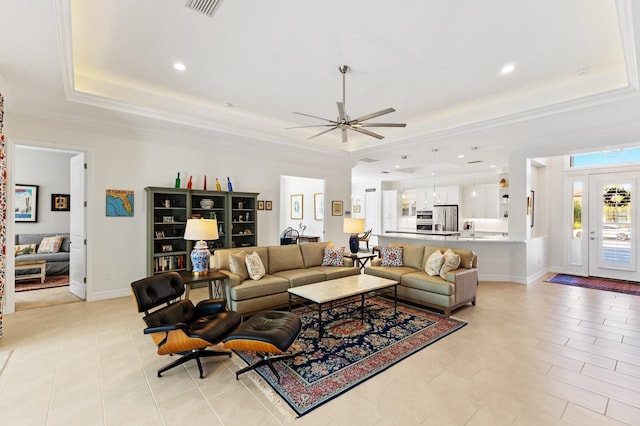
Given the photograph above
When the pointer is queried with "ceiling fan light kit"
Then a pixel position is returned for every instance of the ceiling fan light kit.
(344, 122)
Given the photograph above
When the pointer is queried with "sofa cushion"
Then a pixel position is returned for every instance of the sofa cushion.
(286, 257)
(255, 268)
(434, 263)
(391, 256)
(25, 249)
(391, 273)
(238, 265)
(412, 255)
(313, 253)
(466, 256)
(267, 285)
(434, 284)
(451, 262)
(50, 244)
(332, 257)
(333, 272)
(220, 258)
(298, 277)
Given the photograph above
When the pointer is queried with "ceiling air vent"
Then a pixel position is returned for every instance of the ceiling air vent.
(474, 162)
(368, 160)
(207, 7)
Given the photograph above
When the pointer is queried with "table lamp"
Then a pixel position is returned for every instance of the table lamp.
(200, 230)
(354, 227)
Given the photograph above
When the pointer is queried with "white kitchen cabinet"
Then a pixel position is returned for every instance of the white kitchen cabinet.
(391, 203)
(483, 205)
(447, 195)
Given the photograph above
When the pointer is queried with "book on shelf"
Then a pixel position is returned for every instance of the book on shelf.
(169, 263)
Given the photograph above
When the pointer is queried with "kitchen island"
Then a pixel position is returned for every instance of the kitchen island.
(499, 259)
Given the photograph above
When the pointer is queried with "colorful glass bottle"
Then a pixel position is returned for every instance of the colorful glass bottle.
(218, 187)
(229, 186)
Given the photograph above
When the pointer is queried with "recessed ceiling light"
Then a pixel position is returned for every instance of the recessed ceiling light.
(228, 104)
(179, 66)
(508, 69)
(433, 173)
(493, 166)
(461, 156)
(397, 167)
(583, 71)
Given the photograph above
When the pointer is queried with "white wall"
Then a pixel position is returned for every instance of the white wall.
(50, 171)
(290, 185)
(134, 159)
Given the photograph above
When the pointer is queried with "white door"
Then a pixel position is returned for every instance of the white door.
(612, 233)
(389, 210)
(77, 228)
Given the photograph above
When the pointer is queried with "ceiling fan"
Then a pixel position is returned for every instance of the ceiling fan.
(344, 122)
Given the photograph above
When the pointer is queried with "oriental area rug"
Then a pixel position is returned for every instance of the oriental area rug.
(350, 352)
(618, 286)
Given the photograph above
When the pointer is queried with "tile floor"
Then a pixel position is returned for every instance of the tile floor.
(531, 355)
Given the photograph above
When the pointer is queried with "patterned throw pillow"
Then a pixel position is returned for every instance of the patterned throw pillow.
(255, 268)
(451, 262)
(434, 263)
(332, 257)
(391, 256)
(25, 249)
(50, 244)
(238, 265)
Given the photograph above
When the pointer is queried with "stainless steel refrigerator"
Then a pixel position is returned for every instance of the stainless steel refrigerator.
(445, 217)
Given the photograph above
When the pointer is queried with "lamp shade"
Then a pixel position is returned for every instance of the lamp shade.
(201, 229)
(353, 225)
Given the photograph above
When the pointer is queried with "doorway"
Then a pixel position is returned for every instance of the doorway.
(52, 170)
(612, 233)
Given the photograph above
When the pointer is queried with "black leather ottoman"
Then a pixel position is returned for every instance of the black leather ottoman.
(266, 333)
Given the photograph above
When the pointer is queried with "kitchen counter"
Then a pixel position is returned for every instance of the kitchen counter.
(498, 258)
(447, 236)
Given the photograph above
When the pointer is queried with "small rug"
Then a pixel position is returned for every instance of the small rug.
(49, 282)
(350, 352)
(618, 286)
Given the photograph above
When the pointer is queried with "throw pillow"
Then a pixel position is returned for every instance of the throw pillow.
(332, 257)
(25, 249)
(255, 268)
(434, 263)
(451, 262)
(238, 265)
(391, 256)
(50, 244)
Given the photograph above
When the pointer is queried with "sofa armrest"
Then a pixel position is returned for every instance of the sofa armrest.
(347, 261)
(233, 279)
(466, 282)
(376, 262)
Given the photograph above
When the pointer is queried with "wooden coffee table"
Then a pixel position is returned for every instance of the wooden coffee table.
(331, 293)
(31, 264)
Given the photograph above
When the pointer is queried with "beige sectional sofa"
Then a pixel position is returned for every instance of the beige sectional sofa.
(286, 266)
(457, 288)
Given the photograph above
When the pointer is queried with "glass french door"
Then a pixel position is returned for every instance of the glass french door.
(612, 231)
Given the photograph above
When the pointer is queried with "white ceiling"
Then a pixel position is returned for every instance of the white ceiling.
(438, 63)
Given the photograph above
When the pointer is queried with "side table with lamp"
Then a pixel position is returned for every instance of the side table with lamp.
(353, 226)
(201, 231)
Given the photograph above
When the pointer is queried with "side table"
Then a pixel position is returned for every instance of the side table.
(360, 259)
(213, 279)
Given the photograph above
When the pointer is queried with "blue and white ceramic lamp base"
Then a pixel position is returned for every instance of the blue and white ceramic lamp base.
(200, 257)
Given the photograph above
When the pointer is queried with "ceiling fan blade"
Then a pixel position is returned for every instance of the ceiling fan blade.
(313, 125)
(345, 139)
(374, 114)
(381, 124)
(315, 116)
(322, 133)
(366, 132)
(341, 113)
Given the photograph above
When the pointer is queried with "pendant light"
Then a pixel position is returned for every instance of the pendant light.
(474, 161)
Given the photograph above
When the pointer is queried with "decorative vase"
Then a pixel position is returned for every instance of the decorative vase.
(206, 203)
(354, 243)
(200, 256)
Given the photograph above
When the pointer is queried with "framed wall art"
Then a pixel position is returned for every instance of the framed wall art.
(26, 203)
(268, 205)
(60, 202)
(260, 204)
(336, 208)
(297, 207)
(318, 206)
